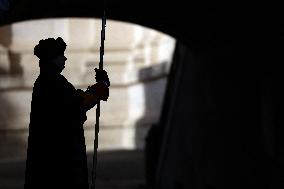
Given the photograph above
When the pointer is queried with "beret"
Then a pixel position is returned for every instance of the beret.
(49, 48)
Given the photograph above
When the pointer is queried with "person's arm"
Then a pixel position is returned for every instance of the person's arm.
(88, 100)
(97, 92)
(92, 95)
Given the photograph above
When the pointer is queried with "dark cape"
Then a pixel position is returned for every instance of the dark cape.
(56, 154)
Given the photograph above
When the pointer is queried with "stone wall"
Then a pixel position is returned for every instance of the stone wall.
(137, 60)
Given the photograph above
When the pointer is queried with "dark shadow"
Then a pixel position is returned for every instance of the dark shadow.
(121, 169)
(153, 79)
(147, 132)
(223, 128)
(119, 166)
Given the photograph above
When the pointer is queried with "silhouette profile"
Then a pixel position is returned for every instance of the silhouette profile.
(56, 154)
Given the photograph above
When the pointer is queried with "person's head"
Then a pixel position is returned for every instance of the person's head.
(51, 54)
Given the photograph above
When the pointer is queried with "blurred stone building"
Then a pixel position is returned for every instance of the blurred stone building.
(137, 60)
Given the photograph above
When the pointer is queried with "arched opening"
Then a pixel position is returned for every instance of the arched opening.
(225, 120)
(137, 60)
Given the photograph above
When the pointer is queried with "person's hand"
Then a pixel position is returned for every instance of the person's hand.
(100, 90)
(101, 76)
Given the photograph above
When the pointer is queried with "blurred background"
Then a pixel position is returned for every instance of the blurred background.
(137, 60)
(207, 116)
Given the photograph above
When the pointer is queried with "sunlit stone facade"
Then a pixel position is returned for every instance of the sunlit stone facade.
(137, 60)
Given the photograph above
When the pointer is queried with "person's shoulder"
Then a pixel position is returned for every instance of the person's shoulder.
(62, 78)
(66, 83)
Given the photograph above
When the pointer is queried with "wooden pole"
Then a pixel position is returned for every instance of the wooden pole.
(97, 125)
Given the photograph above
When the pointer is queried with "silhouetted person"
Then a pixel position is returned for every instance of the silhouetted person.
(56, 154)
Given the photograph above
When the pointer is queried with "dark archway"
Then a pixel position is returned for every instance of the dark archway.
(229, 102)
(193, 23)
